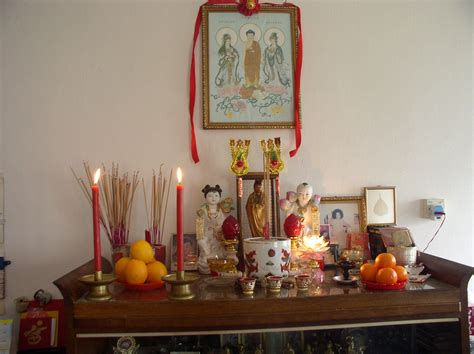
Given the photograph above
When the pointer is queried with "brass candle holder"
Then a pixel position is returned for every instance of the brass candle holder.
(180, 283)
(231, 251)
(98, 286)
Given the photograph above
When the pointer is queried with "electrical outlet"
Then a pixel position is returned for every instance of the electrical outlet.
(433, 208)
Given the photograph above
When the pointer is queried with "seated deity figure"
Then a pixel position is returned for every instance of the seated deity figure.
(210, 217)
(304, 205)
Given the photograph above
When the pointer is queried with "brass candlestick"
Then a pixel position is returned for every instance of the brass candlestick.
(180, 285)
(98, 286)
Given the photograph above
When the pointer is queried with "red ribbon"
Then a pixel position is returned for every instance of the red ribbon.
(192, 76)
(299, 64)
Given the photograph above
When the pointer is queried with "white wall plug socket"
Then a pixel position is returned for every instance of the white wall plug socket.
(433, 208)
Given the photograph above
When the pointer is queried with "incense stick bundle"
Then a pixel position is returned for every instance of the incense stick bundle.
(156, 214)
(117, 196)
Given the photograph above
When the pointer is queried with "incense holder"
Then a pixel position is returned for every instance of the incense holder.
(264, 257)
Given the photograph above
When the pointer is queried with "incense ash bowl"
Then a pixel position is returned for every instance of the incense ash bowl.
(265, 257)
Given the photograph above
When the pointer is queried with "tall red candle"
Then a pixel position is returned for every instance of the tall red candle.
(179, 222)
(96, 222)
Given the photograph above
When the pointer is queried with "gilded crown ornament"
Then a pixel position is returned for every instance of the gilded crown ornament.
(272, 151)
(240, 153)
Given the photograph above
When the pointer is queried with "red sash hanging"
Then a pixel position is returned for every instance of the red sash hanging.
(192, 76)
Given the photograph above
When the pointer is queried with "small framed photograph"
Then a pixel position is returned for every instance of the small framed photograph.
(344, 215)
(381, 205)
(325, 231)
(190, 250)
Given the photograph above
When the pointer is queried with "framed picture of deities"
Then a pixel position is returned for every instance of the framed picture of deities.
(381, 205)
(248, 67)
(344, 215)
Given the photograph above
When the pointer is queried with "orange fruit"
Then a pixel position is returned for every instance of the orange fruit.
(136, 272)
(385, 260)
(155, 271)
(368, 272)
(120, 268)
(386, 276)
(142, 251)
(402, 273)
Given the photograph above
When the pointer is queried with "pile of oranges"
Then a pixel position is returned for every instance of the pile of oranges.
(141, 267)
(384, 271)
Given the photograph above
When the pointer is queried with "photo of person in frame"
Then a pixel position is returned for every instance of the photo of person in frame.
(190, 252)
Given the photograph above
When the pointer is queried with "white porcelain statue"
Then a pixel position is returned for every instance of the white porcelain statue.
(210, 217)
(304, 205)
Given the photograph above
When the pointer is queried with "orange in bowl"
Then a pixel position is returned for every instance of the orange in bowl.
(155, 271)
(142, 251)
(120, 268)
(402, 274)
(136, 272)
(368, 272)
(386, 276)
(385, 260)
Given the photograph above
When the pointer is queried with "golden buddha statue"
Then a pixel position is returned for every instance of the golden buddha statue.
(255, 208)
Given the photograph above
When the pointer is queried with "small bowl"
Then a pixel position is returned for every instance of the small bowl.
(274, 283)
(303, 281)
(414, 270)
(247, 285)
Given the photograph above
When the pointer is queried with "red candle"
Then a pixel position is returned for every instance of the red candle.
(96, 221)
(179, 222)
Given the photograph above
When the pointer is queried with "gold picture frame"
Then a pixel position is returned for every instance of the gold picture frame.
(190, 252)
(253, 94)
(381, 205)
(345, 215)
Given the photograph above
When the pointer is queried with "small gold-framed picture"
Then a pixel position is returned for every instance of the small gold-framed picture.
(190, 252)
(381, 205)
(344, 215)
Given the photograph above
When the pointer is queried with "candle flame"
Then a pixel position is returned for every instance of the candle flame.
(179, 174)
(97, 176)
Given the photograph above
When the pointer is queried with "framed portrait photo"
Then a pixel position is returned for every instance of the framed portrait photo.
(190, 252)
(344, 215)
(248, 67)
(381, 205)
